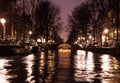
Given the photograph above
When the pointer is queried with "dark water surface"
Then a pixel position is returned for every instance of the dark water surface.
(60, 67)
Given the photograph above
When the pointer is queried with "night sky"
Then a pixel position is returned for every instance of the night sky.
(66, 6)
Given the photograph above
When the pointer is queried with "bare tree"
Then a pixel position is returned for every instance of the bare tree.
(5, 6)
(47, 20)
(79, 21)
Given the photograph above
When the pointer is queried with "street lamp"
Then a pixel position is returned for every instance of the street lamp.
(3, 21)
(106, 31)
(39, 41)
(90, 37)
(30, 32)
(106, 37)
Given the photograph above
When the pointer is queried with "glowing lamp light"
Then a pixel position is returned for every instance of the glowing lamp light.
(106, 31)
(90, 37)
(38, 40)
(30, 32)
(3, 21)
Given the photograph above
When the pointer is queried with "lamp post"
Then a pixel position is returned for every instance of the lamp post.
(3, 21)
(106, 36)
(106, 32)
(30, 32)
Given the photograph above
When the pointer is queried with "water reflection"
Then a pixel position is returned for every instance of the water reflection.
(64, 58)
(29, 61)
(41, 68)
(3, 71)
(83, 65)
(33, 68)
(100, 68)
(110, 67)
(63, 68)
(46, 66)
(50, 66)
(42, 63)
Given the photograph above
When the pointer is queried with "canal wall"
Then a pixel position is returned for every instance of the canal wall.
(102, 50)
(11, 50)
(113, 51)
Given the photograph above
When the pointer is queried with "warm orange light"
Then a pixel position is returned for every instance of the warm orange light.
(3, 21)
(30, 32)
(90, 37)
(106, 31)
(64, 50)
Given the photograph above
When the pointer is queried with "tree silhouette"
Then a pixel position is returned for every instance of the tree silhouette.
(5, 6)
(79, 21)
(47, 20)
(87, 16)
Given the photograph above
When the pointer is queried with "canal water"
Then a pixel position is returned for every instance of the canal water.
(61, 66)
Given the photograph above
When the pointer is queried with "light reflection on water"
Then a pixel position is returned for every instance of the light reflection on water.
(3, 71)
(29, 61)
(100, 68)
(40, 68)
(83, 65)
(33, 68)
(64, 58)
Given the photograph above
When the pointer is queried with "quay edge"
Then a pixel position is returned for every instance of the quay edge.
(13, 50)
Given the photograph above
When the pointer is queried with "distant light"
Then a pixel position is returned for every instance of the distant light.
(3, 21)
(79, 38)
(38, 40)
(90, 37)
(30, 32)
(43, 40)
(83, 38)
(64, 50)
(106, 31)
